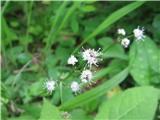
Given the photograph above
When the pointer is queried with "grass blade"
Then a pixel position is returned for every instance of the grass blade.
(96, 92)
(115, 16)
(57, 17)
(63, 23)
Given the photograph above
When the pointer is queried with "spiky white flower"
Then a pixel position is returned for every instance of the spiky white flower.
(86, 76)
(125, 42)
(50, 85)
(139, 33)
(121, 31)
(75, 86)
(72, 60)
(91, 56)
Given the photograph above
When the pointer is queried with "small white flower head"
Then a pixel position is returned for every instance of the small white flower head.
(72, 60)
(125, 42)
(75, 86)
(121, 31)
(50, 85)
(139, 33)
(91, 56)
(86, 76)
(66, 115)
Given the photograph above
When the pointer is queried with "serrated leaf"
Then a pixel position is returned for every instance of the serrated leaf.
(138, 103)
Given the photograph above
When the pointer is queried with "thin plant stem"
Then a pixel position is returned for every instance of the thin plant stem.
(28, 22)
(20, 71)
(61, 91)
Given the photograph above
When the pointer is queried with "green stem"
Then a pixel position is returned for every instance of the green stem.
(20, 71)
(61, 91)
(29, 14)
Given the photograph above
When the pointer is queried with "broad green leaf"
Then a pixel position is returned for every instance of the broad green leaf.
(50, 61)
(62, 54)
(110, 49)
(105, 42)
(33, 109)
(49, 112)
(101, 73)
(156, 22)
(156, 26)
(23, 58)
(138, 103)
(115, 16)
(13, 53)
(93, 105)
(144, 61)
(79, 114)
(96, 92)
(115, 51)
(117, 62)
(37, 88)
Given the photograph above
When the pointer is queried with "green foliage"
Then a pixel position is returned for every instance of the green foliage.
(111, 19)
(144, 62)
(79, 114)
(96, 92)
(110, 49)
(49, 112)
(156, 26)
(37, 39)
(126, 104)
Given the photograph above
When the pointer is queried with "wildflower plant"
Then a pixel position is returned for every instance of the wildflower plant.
(79, 60)
(91, 57)
(50, 85)
(125, 40)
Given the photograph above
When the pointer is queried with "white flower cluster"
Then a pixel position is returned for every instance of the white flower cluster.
(75, 86)
(121, 31)
(72, 60)
(86, 76)
(125, 42)
(138, 34)
(50, 85)
(92, 57)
